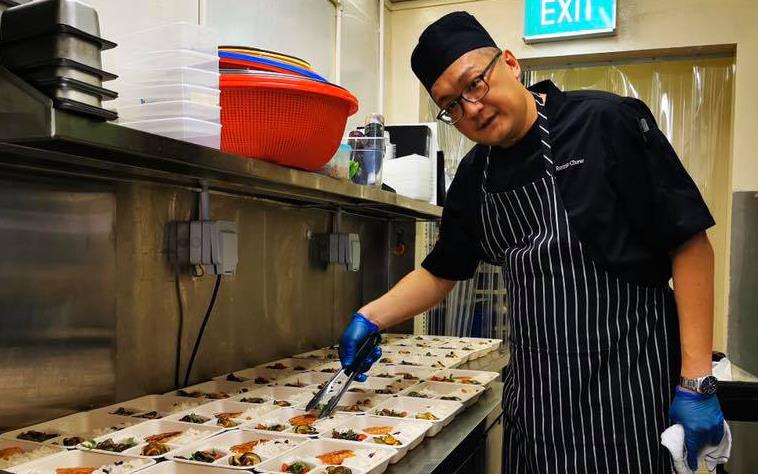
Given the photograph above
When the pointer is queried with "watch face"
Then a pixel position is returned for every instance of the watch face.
(709, 385)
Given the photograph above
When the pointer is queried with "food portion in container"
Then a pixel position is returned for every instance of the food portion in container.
(465, 393)
(81, 462)
(391, 412)
(292, 364)
(357, 402)
(194, 418)
(109, 445)
(253, 376)
(295, 422)
(310, 380)
(439, 412)
(296, 467)
(201, 394)
(70, 430)
(206, 455)
(236, 449)
(466, 377)
(279, 396)
(318, 455)
(153, 439)
(213, 390)
(37, 436)
(323, 354)
(152, 407)
(14, 452)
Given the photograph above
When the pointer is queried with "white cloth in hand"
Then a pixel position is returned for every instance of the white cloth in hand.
(673, 440)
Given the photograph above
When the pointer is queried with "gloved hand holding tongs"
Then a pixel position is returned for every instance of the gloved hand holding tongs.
(359, 349)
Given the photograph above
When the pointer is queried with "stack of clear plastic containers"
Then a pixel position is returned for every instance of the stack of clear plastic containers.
(168, 83)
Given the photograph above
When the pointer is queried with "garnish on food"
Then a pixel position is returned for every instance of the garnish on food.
(234, 378)
(297, 467)
(37, 436)
(426, 416)
(244, 459)
(390, 412)
(194, 418)
(388, 439)
(348, 435)
(253, 400)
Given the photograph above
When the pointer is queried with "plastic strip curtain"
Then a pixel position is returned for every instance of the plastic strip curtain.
(692, 101)
(475, 307)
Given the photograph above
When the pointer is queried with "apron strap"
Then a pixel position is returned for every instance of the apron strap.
(544, 126)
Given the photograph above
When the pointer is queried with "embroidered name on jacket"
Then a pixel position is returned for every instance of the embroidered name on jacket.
(569, 164)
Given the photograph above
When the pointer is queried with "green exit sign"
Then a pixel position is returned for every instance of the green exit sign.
(547, 20)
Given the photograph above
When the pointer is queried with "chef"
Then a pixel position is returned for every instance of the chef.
(582, 201)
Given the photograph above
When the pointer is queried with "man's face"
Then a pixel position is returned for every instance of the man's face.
(499, 117)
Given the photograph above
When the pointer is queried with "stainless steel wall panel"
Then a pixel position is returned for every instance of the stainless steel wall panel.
(57, 299)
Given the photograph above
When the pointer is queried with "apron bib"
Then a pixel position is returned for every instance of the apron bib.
(594, 358)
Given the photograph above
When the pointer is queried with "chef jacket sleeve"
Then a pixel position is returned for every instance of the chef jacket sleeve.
(661, 199)
(456, 253)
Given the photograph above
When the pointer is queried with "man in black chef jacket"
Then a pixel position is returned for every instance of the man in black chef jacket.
(585, 205)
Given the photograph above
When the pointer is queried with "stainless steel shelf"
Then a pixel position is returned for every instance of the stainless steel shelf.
(36, 138)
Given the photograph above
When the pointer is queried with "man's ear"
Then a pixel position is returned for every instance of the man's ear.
(512, 63)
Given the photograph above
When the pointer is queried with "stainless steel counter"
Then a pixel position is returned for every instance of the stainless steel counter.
(433, 451)
(431, 454)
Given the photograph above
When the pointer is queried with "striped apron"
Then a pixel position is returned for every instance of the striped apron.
(594, 358)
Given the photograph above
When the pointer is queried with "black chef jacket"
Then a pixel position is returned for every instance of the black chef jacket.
(628, 197)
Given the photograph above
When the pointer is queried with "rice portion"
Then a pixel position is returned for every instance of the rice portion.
(274, 448)
(27, 456)
(124, 467)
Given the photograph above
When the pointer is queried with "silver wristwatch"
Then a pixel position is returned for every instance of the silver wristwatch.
(706, 385)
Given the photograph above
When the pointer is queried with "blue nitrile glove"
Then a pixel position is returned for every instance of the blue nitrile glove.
(702, 419)
(355, 334)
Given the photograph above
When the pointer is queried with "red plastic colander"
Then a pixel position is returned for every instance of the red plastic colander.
(290, 121)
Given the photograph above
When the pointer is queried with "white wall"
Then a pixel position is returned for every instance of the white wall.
(302, 28)
(360, 55)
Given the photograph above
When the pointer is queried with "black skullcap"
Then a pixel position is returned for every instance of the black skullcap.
(444, 41)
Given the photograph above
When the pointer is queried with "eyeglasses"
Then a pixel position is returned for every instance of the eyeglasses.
(475, 91)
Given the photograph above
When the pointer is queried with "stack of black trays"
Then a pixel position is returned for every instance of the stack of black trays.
(56, 46)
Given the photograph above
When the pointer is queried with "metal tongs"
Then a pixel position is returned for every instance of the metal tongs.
(352, 371)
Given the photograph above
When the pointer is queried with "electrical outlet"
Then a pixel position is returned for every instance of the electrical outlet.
(212, 244)
(340, 248)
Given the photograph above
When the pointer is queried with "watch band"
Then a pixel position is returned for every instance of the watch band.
(705, 385)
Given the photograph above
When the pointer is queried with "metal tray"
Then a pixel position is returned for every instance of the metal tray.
(48, 70)
(84, 109)
(62, 88)
(25, 53)
(52, 16)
